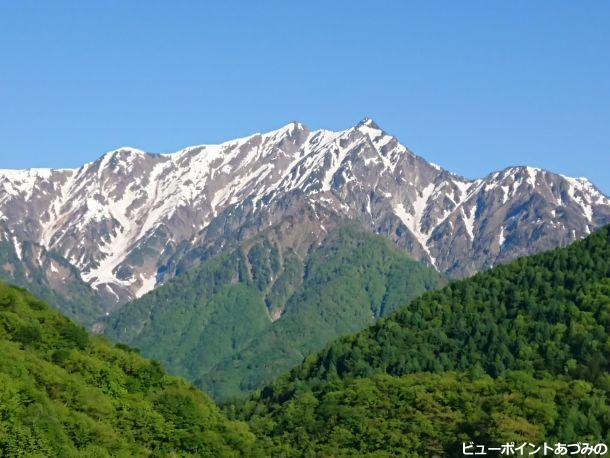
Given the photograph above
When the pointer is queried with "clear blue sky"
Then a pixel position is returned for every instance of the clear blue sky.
(472, 85)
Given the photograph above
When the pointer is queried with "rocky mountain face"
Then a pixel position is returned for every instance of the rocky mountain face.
(52, 278)
(131, 219)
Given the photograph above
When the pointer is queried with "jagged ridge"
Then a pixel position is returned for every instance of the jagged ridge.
(129, 216)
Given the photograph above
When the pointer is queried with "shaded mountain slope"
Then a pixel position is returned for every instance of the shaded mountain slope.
(246, 316)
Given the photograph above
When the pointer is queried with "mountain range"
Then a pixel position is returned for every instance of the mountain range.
(112, 230)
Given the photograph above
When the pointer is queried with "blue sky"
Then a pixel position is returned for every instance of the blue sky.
(474, 86)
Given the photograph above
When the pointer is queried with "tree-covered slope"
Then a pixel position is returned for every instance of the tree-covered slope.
(64, 393)
(546, 317)
(516, 354)
(431, 414)
(545, 313)
(244, 317)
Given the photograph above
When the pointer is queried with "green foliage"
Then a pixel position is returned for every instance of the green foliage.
(64, 393)
(244, 317)
(531, 340)
(430, 414)
(519, 353)
(545, 313)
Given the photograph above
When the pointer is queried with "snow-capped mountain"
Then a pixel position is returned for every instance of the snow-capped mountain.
(127, 218)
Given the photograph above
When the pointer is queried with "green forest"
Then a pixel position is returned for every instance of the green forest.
(429, 414)
(245, 317)
(65, 393)
(518, 353)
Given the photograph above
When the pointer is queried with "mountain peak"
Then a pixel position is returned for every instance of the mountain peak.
(289, 128)
(121, 152)
(368, 122)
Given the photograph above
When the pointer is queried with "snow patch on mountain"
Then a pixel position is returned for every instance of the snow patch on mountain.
(148, 284)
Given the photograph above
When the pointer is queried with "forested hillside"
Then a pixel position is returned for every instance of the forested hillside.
(530, 342)
(516, 354)
(244, 317)
(430, 414)
(65, 393)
